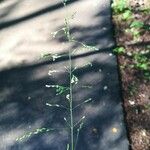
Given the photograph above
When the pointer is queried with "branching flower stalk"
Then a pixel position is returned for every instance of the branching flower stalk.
(67, 90)
(73, 80)
(68, 35)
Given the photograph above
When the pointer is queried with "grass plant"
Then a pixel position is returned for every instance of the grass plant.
(74, 127)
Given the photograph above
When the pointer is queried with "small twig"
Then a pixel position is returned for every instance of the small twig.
(79, 121)
(67, 122)
(86, 101)
(78, 132)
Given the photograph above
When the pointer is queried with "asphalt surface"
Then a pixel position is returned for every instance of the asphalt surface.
(25, 34)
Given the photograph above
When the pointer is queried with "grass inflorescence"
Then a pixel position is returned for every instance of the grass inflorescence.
(74, 126)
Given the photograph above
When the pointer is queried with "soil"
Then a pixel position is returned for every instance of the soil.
(136, 87)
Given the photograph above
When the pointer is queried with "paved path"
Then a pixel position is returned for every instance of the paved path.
(25, 34)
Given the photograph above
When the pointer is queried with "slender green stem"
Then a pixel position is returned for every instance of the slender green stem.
(71, 106)
(71, 99)
(67, 33)
(71, 87)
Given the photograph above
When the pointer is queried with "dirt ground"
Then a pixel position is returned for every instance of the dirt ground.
(136, 88)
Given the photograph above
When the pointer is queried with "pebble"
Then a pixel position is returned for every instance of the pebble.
(131, 102)
(129, 53)
(114, 130)
(100, 70)
(105, 87)
(110, 54)
(29, 97)
(143, 132)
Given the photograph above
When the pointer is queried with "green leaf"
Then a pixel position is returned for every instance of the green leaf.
(136, 33)
(143, 66)
(127, 15)
(146, 27)
(119, 50)
(119, 6)
(136, 24)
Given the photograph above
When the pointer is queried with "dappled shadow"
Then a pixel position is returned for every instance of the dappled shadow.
(6, 10)
(38, 13)
(24, 97)
(99, 34)
(24, 94)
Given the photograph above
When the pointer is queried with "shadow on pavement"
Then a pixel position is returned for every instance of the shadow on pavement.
(23, 96)
(23, 99)
(31, 16)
